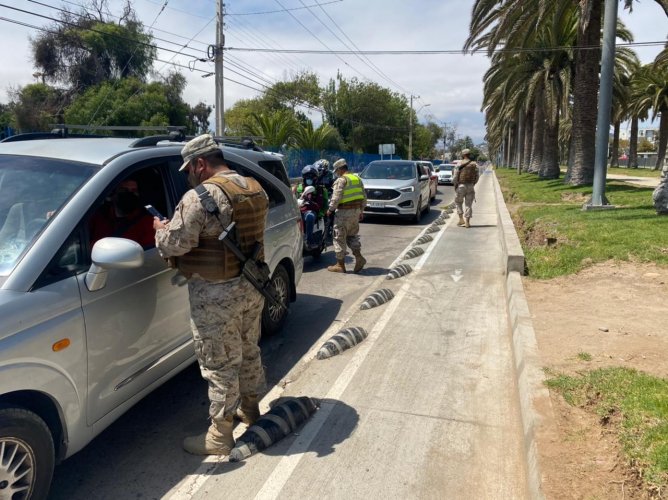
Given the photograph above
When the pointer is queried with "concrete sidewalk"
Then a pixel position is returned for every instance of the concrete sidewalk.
(437, 402)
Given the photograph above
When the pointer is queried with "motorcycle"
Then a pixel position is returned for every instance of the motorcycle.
(321, 232)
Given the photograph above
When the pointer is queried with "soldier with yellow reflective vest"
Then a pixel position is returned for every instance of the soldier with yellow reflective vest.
(347, 203)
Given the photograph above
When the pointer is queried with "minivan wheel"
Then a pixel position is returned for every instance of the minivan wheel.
(273, 316)
(26, 455)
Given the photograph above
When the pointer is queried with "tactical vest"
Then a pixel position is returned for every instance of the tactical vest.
(211, 259)
(353, 190)
(468, 174)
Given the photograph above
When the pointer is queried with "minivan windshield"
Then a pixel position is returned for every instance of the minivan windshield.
(395, 170)
(32, 190)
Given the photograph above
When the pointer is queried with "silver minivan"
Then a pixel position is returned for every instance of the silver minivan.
(89, 328)
(396, 187)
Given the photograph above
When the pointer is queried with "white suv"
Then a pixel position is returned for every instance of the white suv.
(86, 330)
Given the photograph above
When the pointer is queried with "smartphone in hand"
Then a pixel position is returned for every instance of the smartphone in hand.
(152, 210)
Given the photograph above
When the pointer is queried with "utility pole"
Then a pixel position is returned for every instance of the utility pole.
(220, 43)
(598, 199)
(410, 131)
(410, 127)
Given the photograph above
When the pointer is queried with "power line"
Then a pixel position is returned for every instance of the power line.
(322, 43)
(74, 25)
(283, 10)
(387, 78)
(442, 52)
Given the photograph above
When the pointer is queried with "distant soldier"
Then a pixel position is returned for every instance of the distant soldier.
(225, 308)
(347, 203)
(465, 177)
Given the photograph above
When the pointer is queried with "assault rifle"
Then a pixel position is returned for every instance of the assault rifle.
(256, 271)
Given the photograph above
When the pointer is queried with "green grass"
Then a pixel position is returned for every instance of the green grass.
(550, 208)
(635, 405)
(585, 356)
(635, 172)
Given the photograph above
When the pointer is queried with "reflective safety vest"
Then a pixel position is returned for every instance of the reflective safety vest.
(354, 190)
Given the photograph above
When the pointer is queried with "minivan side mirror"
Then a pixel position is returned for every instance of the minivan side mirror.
(424, 177)
(112, 253)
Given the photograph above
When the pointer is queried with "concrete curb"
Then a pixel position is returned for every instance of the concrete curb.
(512, 249)
(534, 397)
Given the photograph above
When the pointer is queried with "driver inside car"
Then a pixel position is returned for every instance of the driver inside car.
(124, 216)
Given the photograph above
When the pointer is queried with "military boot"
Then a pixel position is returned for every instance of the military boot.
(467, 222)
(359, 261)
(339, 267)
(461, 220)
(249, 410)
(217, 440)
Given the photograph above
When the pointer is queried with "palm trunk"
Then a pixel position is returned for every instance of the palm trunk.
(550, 167)
(663, 139)
(520, 141)
(614, 161)
(633, 143)
(585, 95)
(538, 131)
(528, 135)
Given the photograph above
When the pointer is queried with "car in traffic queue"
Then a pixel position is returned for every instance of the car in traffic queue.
(445, 173)
(88, 328)
(428, 168)
(396, 188)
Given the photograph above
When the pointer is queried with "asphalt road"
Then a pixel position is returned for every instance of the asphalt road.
(140, 455)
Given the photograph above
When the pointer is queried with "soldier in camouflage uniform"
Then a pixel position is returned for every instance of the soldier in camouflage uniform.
(465, 177)
(347, 203)
(225, 308)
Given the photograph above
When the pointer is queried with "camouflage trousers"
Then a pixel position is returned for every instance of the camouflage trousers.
(225, 319)
(465, 193)
(346, 231)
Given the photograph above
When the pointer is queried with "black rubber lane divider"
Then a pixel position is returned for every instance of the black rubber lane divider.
(399, 272)
(341, 341)
(377, 298)
(425, 238)
(414, 252)
(282, 420)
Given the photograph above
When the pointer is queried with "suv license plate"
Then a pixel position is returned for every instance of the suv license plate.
(376, 204)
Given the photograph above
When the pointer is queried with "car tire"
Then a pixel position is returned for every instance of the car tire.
(427, 209)
(418, 212)
(26, 454)
(273, 317)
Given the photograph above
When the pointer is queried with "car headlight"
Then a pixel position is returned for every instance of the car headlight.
(408, 189)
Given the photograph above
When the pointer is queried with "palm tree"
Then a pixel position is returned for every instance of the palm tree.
(277, 128)
(306, 137)
(626, 64)
(650, 91)
(499, 23)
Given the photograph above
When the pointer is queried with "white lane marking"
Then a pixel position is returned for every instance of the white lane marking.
(457, 276)
(284, 469)
(190, 484)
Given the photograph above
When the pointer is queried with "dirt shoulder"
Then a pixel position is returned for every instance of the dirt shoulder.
(615, 312)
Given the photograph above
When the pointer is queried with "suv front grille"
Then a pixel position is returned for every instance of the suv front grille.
(382, 194)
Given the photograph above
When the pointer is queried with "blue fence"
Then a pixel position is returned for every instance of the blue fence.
(296, 159)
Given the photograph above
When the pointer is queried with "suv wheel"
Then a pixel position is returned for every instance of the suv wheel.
(273, 317)
(26, 455)
(418, 212)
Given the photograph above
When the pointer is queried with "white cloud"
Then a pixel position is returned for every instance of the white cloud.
(451, 84)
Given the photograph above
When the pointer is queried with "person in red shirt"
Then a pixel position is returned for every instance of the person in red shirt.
(124, 217)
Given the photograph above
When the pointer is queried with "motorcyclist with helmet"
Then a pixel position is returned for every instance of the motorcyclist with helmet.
(325, 176)
(319, 197)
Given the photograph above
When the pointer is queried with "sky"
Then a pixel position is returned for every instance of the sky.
(447, 88)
